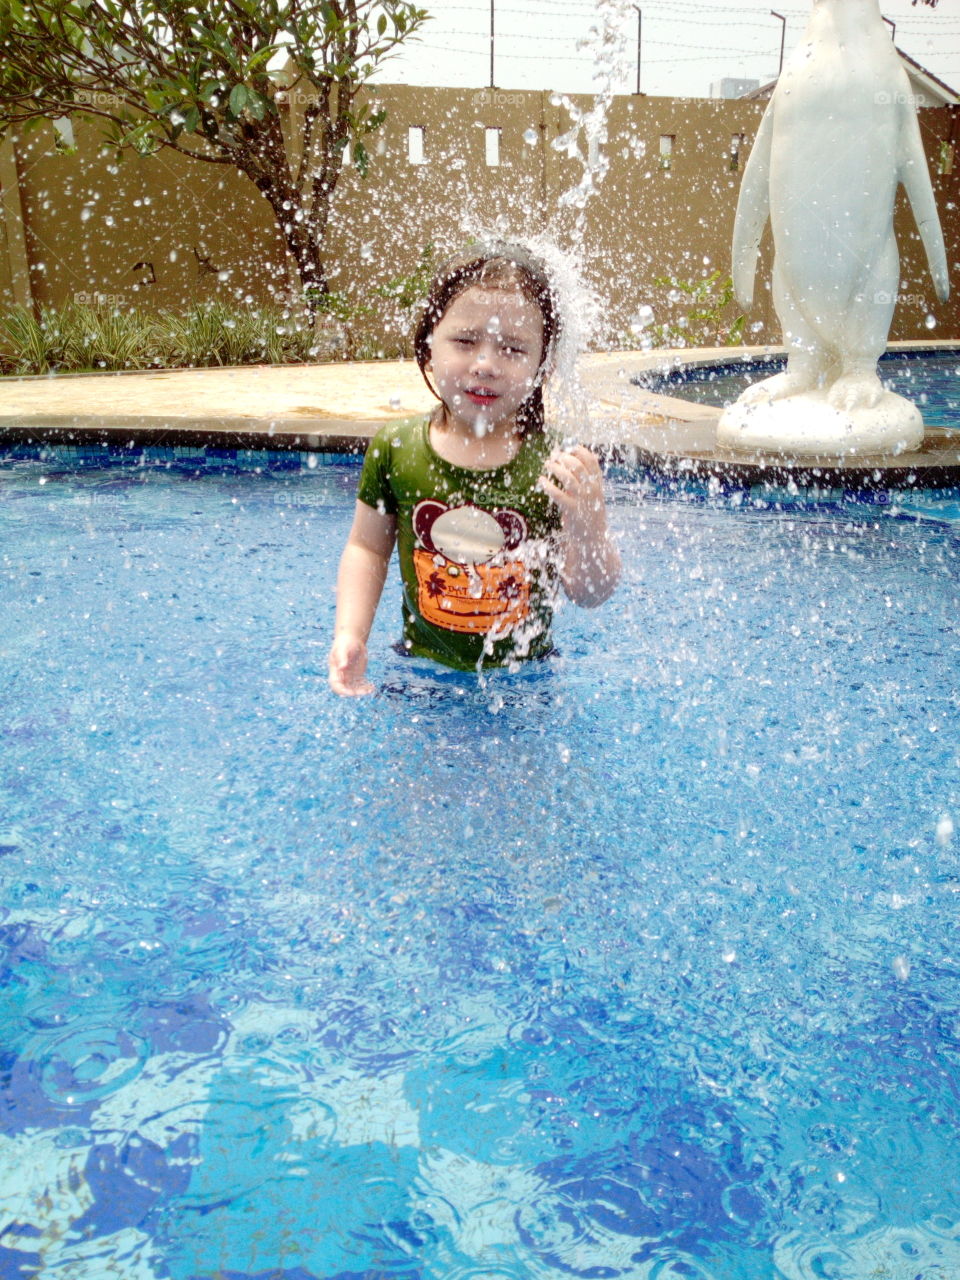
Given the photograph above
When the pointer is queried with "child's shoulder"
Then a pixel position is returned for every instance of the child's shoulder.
(401, 431)
(395, 457)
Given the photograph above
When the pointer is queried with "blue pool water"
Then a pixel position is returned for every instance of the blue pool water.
(930, 380)
(641, 963)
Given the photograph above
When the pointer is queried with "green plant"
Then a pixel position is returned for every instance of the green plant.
(404, 294)
(408, 291)
(701, 313)
(341, 313)
(103, 338)
(24, 342)
(75, 338)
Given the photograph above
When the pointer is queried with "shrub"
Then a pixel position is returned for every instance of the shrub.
(700, 313)
(78, 339)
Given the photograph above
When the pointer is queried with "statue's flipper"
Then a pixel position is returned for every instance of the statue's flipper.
(913, 173)
(753, 209)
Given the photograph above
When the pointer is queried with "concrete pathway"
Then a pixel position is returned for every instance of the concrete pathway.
(338, 407)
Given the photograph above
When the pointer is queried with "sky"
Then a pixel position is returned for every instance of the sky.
(685, 44)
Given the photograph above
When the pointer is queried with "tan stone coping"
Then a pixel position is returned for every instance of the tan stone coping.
(338, 407)
(274, 402)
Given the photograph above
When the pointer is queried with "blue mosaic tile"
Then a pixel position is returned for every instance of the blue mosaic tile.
(212, 457)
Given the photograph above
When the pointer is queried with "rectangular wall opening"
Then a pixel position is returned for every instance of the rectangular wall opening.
(416, 144)
(491, 143)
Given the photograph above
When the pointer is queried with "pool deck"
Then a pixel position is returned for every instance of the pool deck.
(338, 407)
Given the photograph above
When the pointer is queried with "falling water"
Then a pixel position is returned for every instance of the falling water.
(606, 45)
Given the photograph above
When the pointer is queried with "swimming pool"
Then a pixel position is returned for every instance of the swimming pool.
(930, 378)
(641, 963)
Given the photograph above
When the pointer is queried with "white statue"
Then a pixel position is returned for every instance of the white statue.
(839, 134)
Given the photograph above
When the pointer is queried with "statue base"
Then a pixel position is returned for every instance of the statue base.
(807, 425)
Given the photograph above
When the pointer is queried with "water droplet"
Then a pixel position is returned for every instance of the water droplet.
(944, 832)
(931, 322)
(530, 137)
(641, 320)
(901, 967)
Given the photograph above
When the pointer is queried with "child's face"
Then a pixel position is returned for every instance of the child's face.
(485, 354)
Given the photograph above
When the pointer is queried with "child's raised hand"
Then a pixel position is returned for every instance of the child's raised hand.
(348, 664)
(573, 480)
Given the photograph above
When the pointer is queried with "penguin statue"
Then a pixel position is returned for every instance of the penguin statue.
(838, 136)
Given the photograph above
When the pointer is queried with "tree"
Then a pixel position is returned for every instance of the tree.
(207, 78)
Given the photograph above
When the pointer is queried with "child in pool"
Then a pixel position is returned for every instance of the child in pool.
(485, 513)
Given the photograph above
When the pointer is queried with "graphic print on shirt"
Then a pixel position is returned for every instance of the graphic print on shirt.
(466, 579)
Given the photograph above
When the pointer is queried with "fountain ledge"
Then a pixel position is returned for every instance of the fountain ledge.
(677, 439)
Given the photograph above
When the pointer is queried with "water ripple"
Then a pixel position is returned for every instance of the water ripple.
(88, 1064)
(895, 1253)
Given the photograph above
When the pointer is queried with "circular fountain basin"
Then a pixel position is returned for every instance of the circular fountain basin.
(682, 397)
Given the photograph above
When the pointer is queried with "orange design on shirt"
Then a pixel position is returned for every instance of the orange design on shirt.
(471, 597)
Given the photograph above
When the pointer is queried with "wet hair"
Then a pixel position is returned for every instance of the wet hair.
(495, 266)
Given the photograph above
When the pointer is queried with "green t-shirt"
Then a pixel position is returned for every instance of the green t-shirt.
(477, 549)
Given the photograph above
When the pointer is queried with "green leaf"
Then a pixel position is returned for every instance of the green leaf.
(155, 100)
(375, 120)
(142, 139)
(257, 104)
(261, 58)
(238, 98)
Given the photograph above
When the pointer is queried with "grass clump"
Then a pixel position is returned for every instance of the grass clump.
(77, 338)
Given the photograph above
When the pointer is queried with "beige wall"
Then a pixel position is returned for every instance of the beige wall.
(82, 221)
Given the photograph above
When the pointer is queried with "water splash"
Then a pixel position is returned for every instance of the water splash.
(606, 45)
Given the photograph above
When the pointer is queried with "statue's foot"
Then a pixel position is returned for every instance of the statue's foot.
(856, 391)
(775, 388)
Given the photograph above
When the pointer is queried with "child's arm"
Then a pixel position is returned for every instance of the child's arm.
(591, 562)
(363, 571)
